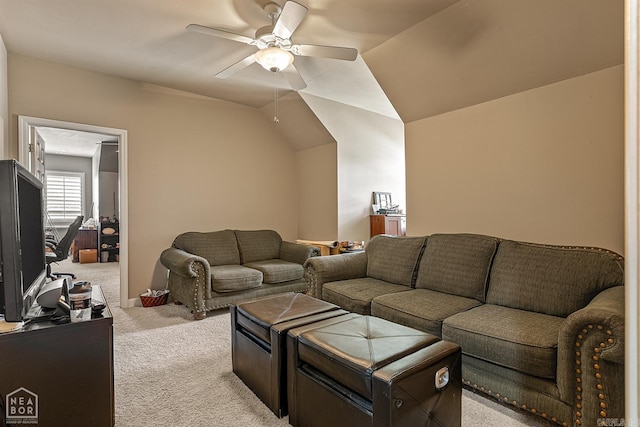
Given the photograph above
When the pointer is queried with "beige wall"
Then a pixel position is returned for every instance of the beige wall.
(318, 193)
(370, 157)
(4, 102)
(544, 165)
(194, 163)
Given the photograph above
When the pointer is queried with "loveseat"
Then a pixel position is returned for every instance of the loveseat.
(212, 270)
(541, 327)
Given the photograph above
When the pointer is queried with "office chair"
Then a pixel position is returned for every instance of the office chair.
(60, 250)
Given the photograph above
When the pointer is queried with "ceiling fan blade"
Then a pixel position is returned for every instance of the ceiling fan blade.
(220, 33)
(292, 15)
(334, 52)
(227, 72)
(294, 78)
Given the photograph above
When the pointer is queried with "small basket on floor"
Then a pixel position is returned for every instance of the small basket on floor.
(154, 300)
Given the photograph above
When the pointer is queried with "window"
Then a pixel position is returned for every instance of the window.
(65, 196)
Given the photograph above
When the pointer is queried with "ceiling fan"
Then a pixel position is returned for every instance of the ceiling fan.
(275, 49)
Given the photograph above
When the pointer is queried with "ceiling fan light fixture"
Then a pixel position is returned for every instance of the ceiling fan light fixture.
(274, 59)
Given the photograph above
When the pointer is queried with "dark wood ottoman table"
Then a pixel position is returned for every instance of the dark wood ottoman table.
(366, 371)
(258, 339)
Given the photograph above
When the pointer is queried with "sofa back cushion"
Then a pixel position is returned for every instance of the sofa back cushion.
(551, 279)
(394, 259)
(457, 264)
(217, 247)
(258, 245)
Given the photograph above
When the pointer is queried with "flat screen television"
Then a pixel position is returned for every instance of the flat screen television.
(22, 242)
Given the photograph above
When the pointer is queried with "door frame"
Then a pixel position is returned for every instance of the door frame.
(632, 210)
(27, 123)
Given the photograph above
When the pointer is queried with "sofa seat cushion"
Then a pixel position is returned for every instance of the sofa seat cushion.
(521, 340)
(277, 270)
(232, 278)
(457, 264)
(394, 259)
(355, 295)
(422, 309)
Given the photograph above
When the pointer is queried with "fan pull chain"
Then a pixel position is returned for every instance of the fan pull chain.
(275, 90)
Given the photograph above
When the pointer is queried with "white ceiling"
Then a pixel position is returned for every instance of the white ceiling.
(146, 40)
(426, 56)
(73, 142)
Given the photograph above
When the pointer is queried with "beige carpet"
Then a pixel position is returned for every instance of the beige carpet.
(173, 371)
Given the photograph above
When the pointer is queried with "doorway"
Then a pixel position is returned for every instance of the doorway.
(27, 127)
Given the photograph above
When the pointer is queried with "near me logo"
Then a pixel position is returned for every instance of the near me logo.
(22, 407)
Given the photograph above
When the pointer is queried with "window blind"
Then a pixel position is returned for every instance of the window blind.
(65, 196)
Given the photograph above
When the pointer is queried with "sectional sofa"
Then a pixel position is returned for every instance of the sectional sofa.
(541, 327)
(212, 270)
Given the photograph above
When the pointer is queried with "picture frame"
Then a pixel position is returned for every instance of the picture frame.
(382, 200)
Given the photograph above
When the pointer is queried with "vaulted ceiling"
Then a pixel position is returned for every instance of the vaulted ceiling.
(428, 56)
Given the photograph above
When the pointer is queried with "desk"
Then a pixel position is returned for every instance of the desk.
(68, 367)
(85, 239)
(327, 247)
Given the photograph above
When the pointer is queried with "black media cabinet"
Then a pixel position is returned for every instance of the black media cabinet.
(59, 375)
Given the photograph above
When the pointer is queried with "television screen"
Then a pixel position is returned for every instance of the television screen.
(31, 231)
(22, 256)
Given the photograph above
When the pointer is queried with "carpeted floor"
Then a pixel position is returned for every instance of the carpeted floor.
(172, 371)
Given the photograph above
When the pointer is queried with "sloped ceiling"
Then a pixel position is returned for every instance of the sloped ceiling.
(146, 40)
(298, 125)
(479, 50)
(428, 56)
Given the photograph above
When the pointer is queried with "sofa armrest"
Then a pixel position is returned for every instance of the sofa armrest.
(590, 371)
(183, 263)
(189, 279)
(298, 253)
(324, 269)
